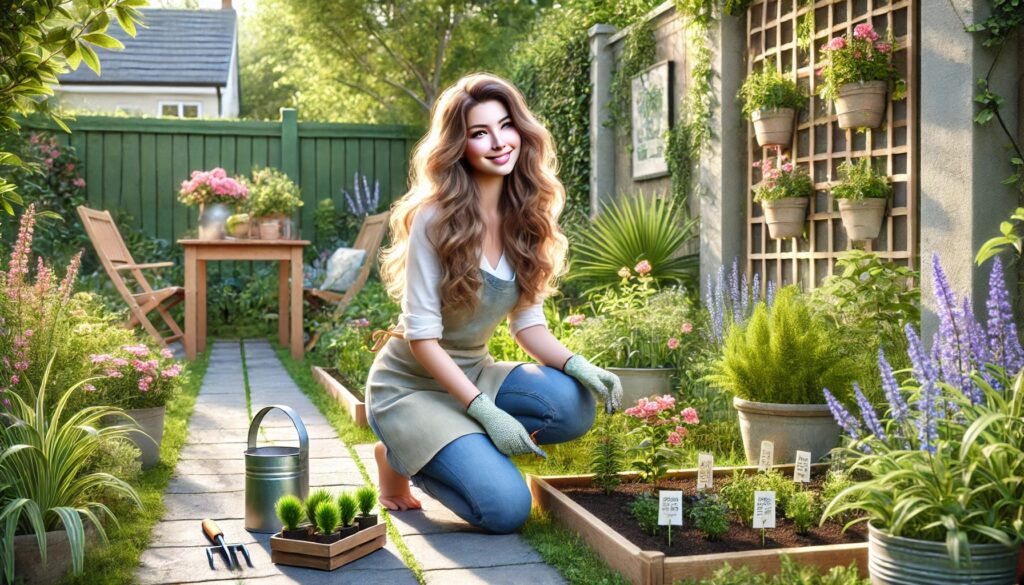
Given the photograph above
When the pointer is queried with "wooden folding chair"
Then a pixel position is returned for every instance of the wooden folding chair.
(370, 237)
(117, 260)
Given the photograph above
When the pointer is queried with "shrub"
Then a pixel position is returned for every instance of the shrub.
(802, 510)
(739, 496)
(313, 500)
(790, 573)
(710, 517)
(645, 510)
(860, 180)
(769, 89)
(786, 355)
(137, 376)
(347, 507)
(327, 517)
(773, 481)
(272, 192)
(289, 511)
(660, 430)
(366, 497)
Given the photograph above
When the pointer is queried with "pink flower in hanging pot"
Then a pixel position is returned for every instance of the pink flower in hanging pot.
(865, 31)
(883, 47)
(835, 44)
(787, 167)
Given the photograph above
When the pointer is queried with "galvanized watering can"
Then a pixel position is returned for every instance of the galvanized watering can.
(272, 472)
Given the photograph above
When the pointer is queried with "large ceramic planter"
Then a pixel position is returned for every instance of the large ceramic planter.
(773, 127)
(349, 400)
(791, 427)
(151, 421)
(29, 567)
(895, 560)
(653, 567)
(640, 383)
(862, 219)
(861, 105)
(785, 217)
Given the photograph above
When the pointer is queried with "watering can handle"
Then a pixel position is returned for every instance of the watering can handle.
(300, 428)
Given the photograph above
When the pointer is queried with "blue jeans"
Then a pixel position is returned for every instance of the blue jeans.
(480, 484)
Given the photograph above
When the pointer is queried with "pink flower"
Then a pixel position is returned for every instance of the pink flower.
(687, 327)
(119, 362)
(78, 182)
(835, 44)
(70, 167)
(139, 350)
(665, 402)
(787, 167)
(673, 343)
(690, 416)
(643, 267)
(15, 379)
(144, 383)
(575, 320)
(819, 71)
(682, 431)
(865, 31)
(171, 372)
(89, 388)
(114, 373)
(21, 366)
(361, 322)
(674, 439)
(100, 358)
(166, 353)
(883, 47)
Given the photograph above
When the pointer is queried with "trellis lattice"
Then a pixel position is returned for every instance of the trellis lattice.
(819, 145)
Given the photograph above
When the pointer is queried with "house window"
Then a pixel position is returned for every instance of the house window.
(181, 109)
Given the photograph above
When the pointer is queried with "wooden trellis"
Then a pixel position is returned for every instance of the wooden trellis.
(819, 146)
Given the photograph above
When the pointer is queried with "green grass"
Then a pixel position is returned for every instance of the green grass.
(568, 553)
(350, 434)
(117, 562)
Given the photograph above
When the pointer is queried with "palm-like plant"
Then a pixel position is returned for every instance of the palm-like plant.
(632, 229)
(42, 466)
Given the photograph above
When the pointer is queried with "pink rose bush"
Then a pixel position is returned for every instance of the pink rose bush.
(136, 376)
(214, 186)
(856, 58)
(660, 428)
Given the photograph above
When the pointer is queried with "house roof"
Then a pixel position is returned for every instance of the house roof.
(175, 47)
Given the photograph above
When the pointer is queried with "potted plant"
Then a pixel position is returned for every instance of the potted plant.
(213, 191)
(770, 100)
(238, 225)
(857, 74)
(943, 463)
(366, 497)
(141, 381)
(660, 429)
(776, 365)
(274, 198)
(637, 332)
(347, 506)
(862, 194)
(50, 503)
(291, 513)
(327, 518)
(783, 193)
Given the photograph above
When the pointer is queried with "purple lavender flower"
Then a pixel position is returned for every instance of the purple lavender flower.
(755, 289)
(928, 404)
(951, 342)
(898, 409)
(734, 291)
(1004, 344)
(867, 412)
(744, 297)
(769, 299)
(842, 416)
(924, 367)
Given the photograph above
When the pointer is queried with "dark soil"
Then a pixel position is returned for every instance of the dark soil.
(350, 385)
(614, 510)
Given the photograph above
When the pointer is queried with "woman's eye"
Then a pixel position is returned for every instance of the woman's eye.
(507, 125)
(477, 134)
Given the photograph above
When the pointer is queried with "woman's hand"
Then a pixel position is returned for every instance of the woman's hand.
(599, 381)
(508, 434)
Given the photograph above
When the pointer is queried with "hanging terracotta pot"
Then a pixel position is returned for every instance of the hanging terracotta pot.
(773, 127)
(862, 104)
(862, 219)
(785, 217)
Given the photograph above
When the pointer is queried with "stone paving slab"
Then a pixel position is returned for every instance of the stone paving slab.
(464, 550)
(360, 577)
(325, 449)
(199, 506)
(215, 483)
(534, 574)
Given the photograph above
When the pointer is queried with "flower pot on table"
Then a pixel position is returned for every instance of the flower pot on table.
(862, 219)
(213, 221)
(270, 228)
(791, 427)
(773, 127)
(785, 217)
(897, 560)
(861, 104)
(640, 383)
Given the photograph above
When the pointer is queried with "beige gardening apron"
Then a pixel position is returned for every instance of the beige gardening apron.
(414, 414)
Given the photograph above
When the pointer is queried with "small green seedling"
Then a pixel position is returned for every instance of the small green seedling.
(366, 497)
(347, 507)
(710, 517)
(802, 510)
(645, 510)
(289, 511)
(327, 517)
(313, 500)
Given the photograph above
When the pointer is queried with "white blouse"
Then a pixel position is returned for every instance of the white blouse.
(421, 301)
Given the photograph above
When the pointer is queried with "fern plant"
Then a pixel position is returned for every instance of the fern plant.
(633, 229)
(606, 462)
(785, 355)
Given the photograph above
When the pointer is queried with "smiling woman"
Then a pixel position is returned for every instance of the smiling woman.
(474, 241)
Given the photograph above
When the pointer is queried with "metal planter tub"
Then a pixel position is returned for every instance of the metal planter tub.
(896, 560)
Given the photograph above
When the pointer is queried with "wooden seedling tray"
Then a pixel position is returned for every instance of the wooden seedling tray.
(355, 407)
(327, 557)
(653, 567)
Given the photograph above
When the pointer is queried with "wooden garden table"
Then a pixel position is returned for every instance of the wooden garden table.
(287, 253)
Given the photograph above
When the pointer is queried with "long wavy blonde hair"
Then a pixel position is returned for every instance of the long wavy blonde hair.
(530, 205)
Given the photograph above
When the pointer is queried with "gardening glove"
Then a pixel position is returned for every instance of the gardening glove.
(599, 381)
(508, 434)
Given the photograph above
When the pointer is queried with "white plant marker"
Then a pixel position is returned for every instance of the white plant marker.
(802, 468)
(670, 510)
(764, 509)
(705, 471)
(767, 458)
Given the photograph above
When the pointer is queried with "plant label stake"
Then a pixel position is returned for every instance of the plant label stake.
(705, 471)
(670, 510)
(764, 511)
(802, 468)
(767, 458)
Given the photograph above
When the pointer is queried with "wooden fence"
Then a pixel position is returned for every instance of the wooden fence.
(137, 164)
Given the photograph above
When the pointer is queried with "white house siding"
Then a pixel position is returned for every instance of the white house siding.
(137, 100)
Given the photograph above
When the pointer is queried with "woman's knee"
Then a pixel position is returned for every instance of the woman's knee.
(505, 509)
(575, 406)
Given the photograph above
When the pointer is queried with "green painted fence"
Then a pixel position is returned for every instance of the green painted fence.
(137, 165)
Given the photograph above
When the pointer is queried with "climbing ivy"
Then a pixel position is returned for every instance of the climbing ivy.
(638, 52)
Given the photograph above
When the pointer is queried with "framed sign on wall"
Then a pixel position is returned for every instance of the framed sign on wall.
(651, 106)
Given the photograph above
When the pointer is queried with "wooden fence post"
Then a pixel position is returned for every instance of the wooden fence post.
(290, 148)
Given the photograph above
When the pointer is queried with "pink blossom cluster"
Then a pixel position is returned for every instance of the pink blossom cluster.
(361, 322)
(687, 327)
(643, 267)
(576, 320)
(212, 186)
(862, 32)
(658, 416)
(143, 366)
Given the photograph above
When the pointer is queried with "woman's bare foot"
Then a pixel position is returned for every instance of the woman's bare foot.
(394, 487)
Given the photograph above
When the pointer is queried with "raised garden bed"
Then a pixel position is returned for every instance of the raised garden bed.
(347, 394)
(327, 557)
(646, 560)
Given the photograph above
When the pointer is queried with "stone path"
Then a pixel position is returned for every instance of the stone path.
(209, 482)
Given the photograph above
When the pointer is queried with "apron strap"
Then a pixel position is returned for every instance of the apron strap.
(381, 336)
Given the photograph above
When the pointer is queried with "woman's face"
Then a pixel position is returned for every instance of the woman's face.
(492, 142)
